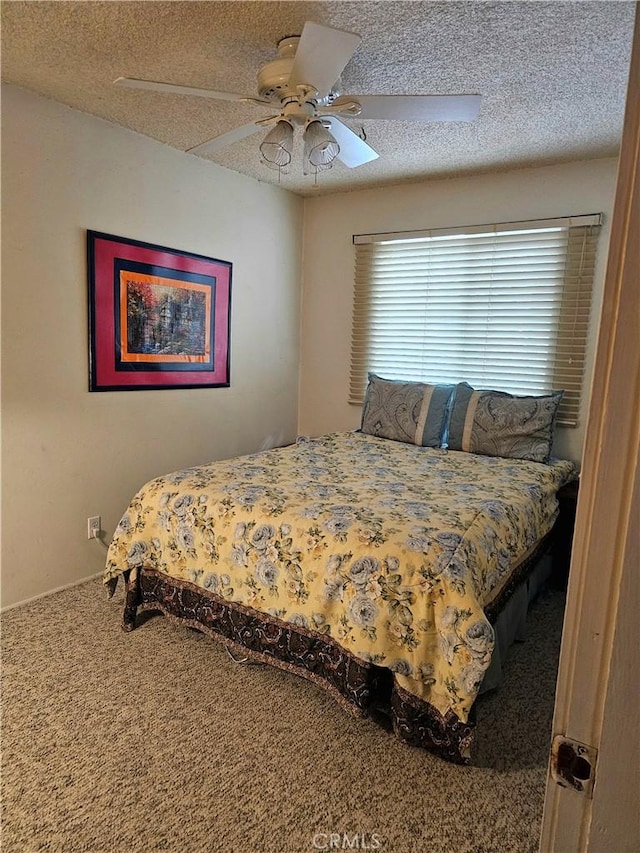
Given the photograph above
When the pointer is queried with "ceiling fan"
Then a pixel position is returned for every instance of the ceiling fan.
(303, 85)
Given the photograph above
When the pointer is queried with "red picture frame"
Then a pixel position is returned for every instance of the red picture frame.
(159, 318)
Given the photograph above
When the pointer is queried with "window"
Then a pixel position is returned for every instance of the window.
(501, 306)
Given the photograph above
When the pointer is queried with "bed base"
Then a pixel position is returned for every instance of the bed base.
(362, 688)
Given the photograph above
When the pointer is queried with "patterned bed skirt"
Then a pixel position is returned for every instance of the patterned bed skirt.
(362, 688)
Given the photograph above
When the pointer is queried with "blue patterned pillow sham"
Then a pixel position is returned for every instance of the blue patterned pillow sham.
(494, 423)
(412, 412)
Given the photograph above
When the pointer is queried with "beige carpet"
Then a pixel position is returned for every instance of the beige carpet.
(155, 740)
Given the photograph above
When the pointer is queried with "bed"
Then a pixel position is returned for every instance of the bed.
(376, 568)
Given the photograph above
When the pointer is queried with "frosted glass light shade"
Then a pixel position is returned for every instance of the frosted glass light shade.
(277, 146)
(320, 148)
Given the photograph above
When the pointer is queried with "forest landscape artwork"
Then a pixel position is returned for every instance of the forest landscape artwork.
(159, 317)
(164, 320)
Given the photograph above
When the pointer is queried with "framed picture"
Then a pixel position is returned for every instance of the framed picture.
(158, 318)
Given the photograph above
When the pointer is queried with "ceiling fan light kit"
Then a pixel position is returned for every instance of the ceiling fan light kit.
(320, 147)
(303, 84)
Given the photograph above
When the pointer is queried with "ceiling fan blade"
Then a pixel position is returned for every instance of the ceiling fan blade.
(224, 139)
(353, 150)
(171, 88)
(321, 55)
(415, 107)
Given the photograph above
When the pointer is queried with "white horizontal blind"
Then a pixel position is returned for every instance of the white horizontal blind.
(504, 307)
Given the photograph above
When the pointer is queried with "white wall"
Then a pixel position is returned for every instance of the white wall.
(67, 453)
(330, 222)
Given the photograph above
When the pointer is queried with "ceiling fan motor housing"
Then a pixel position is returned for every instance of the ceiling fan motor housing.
(273, 78)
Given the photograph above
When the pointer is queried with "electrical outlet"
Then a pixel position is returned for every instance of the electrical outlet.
(93, 527)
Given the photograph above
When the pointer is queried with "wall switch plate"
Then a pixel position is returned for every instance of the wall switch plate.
(93, 527)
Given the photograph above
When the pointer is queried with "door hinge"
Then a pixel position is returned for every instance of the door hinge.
(573, 764)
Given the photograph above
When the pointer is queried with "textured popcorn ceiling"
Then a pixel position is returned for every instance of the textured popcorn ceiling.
(552, 75)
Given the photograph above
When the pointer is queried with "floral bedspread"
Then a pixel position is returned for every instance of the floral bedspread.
(391, 549)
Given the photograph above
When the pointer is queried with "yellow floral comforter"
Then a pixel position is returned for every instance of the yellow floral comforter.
(391, 549)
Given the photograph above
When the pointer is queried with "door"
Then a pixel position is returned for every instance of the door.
(596, 696)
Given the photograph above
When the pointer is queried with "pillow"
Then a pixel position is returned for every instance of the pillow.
(413, 412)
(494, 423)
